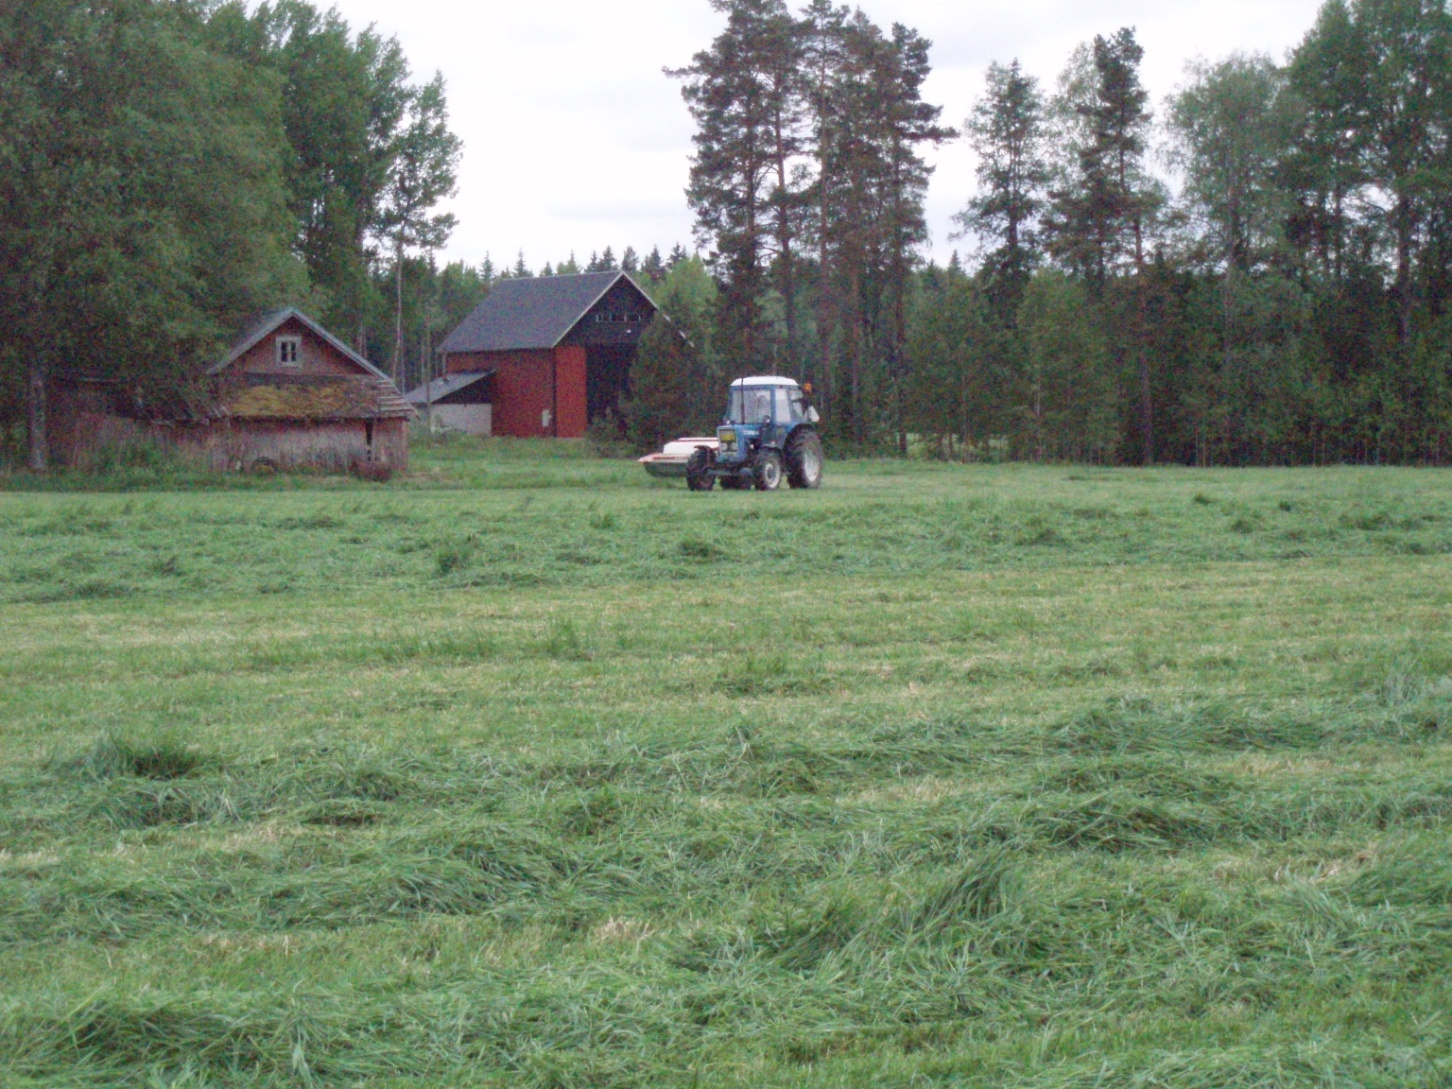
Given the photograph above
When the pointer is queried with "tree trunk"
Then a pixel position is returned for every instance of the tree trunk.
(397, 306)
(38, 447)
(826, 366)
(1405, 233)
(787, 265)
(1146, 392)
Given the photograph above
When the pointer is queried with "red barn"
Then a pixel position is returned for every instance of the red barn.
(559, 349)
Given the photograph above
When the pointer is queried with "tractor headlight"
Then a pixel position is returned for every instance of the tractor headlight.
(728, 438)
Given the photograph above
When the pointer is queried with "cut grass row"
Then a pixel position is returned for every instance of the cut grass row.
(553, 665)
(624, 529)
(773, 909)
(1066, 815)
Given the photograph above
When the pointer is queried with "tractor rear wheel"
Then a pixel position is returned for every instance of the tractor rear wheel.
(767, 471)
(698, 476)
(804, 459)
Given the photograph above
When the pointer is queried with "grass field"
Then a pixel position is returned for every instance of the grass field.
(526, 770)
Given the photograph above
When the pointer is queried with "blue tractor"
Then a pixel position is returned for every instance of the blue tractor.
(769, 432)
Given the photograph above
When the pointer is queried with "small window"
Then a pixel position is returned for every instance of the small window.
(288, 351)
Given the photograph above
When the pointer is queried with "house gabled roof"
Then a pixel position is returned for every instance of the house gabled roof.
(370, 395)
(270, 321)
(531, 313)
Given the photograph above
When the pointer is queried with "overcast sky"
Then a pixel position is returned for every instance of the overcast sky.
(575, 140)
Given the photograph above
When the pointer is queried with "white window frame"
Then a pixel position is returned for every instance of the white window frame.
(289, 351)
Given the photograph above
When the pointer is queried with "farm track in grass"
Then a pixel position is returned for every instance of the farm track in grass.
(526, 772)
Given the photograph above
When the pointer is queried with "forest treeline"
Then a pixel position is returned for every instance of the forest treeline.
(1254, 271)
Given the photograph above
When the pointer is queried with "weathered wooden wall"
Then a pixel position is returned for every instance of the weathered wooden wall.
(332, 446)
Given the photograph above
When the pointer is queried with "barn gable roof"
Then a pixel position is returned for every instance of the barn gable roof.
(531, 313)
(269, 322)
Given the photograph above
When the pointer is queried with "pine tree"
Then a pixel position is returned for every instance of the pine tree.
(872, 187)
(423, 166)
(1095, 225)
(739, 93)
(1006, 129)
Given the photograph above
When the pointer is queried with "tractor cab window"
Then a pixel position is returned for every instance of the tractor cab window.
(749, 404)
(764, 404)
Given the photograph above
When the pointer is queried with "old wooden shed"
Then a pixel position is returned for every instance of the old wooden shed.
(559, 349)
(288, 394)
(291, 394)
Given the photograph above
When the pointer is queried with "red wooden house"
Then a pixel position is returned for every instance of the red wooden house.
(559, 349)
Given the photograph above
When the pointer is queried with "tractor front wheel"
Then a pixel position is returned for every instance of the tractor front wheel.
(767, 471)
(698, 476)
(804, 459)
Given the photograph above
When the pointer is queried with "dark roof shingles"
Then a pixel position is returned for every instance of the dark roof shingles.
(529, 313)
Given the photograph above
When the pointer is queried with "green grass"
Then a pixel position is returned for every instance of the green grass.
(526, 770)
